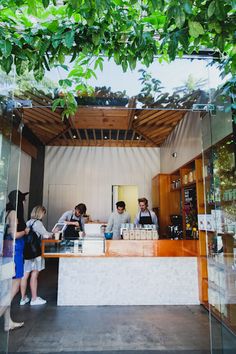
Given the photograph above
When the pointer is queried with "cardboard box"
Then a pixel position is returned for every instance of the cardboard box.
(131, 234)
(125, 234)
(143, 235)
(137, 234)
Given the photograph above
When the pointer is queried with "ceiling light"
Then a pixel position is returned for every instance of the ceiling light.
(74, 136)
(137, 137)
(135, 117)
(105, 137)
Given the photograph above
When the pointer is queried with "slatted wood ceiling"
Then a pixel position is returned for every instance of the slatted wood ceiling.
(100, 126)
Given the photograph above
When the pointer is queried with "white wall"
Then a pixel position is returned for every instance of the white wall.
(185, 140)
(86, 174)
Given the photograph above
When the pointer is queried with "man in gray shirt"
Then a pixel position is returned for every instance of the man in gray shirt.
(118, 217)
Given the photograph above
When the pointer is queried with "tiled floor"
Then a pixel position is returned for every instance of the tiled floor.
(107, 329)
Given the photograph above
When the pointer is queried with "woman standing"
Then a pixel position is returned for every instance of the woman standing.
(32, 267)
(17, 229)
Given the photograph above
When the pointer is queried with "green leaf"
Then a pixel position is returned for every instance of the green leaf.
(6, 64)
(55, 104)
(32, 9)
(96, 38)
(233, 4)
(45, 3)
(195, 29)
(124, 65)
(187, 5)
(211, 9)
(53, 26)
(117, 58)
(74, 4)
(6, 48)
(99, 62)
(220, 43)
(69, 39)
(179, 17)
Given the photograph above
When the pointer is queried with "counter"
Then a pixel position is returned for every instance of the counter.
(155, 272)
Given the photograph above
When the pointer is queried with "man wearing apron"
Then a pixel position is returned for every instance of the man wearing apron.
(145, 216)
(74, 221)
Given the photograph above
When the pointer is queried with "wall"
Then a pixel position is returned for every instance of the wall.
(86, 174)
(185, 140)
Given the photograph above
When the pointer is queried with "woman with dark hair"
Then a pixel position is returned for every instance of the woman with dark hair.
(17, 229)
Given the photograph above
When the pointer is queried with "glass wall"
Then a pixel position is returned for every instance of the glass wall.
(219, 156)
(9, 173)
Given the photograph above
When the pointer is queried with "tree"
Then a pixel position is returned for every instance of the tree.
(36, 35)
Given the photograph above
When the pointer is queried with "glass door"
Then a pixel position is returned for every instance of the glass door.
(218, 136)
(9, 171)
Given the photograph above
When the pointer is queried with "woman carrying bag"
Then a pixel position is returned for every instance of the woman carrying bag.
(32, 267)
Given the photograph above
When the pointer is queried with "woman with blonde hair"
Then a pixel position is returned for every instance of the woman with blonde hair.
(32, 267)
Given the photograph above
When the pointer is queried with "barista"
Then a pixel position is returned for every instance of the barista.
(74, 221)
(145, 216)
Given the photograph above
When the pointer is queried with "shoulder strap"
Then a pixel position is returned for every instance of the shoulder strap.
(7, 215)
(31, 226)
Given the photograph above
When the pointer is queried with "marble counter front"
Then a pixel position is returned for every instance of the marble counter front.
(128, 281)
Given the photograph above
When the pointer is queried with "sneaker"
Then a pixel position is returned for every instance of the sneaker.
(38, 301)
(13, 325)
(24, 301)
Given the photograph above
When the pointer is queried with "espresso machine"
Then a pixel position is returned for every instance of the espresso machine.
(175, 230)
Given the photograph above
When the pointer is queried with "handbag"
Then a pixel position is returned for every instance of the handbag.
(32, 247)
(8, 241)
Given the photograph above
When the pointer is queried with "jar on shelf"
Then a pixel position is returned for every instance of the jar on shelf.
(190, 177)
(185, 179)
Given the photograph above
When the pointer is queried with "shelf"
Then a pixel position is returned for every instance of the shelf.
(189, 184)
(175, 189)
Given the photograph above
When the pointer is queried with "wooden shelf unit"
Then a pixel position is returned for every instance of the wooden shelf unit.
(168, 197)
(168, 193)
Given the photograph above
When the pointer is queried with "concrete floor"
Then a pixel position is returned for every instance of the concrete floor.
(106, 329)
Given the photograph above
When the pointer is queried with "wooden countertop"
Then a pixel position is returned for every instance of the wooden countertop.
(139, 248)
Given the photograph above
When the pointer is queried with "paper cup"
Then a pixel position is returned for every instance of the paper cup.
(57, 235)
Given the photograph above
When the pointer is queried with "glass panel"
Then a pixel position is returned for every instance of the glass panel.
(9, 170)
(220, 208)
(176, 85)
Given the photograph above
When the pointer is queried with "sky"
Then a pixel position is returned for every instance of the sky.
(171, 75)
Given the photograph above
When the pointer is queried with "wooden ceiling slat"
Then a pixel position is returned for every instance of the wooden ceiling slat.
(56, 116)
(163, 121)
(161, 132)
(78, 134)
(147, 139)
(86, 134)
(151, 114)
(107, 143)
(160, 117)
(45, 128)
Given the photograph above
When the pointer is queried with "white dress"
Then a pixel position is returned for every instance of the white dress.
(37, 263)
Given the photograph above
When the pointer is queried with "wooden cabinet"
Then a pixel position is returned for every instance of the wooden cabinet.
(180, 193)
(161, 201)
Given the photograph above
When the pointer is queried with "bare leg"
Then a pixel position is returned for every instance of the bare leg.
(15, 287)
(34, 283)
(23, 284)
(9, 324)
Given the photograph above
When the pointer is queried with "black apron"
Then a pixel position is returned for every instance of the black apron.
(70, 232)
(145, 220)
